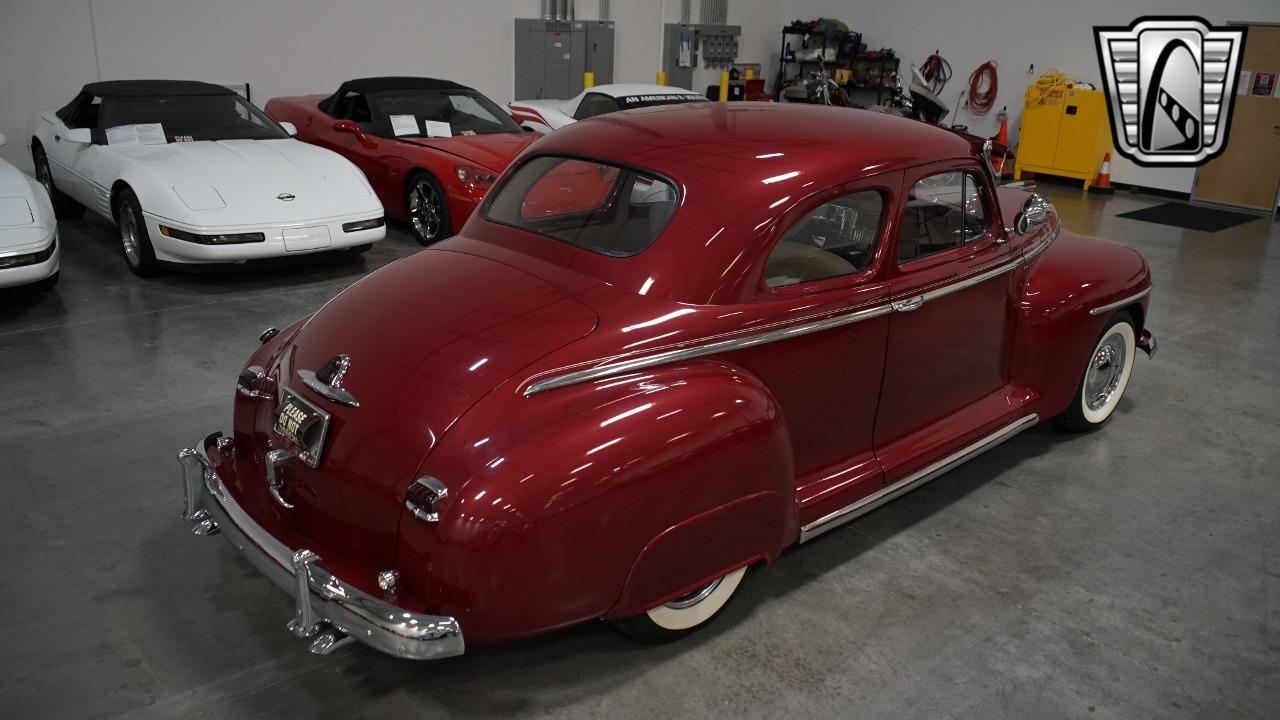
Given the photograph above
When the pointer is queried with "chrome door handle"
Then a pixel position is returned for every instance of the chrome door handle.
(909, 304)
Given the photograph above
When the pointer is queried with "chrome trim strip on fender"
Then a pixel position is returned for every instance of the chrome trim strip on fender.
(1120, 303)
(738, 343)
(610, 369)
(915, 480)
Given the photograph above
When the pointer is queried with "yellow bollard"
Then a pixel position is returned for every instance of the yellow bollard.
(750, 74)
(588, 79)
(724, 86)
(662, 78)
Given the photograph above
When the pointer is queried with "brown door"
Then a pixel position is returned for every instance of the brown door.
(1248, 171)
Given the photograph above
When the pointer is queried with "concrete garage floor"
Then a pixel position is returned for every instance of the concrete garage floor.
(1130, 573)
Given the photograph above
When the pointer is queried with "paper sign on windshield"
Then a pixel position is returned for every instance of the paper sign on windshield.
(404, 125)
(143, 134)
(436, 128)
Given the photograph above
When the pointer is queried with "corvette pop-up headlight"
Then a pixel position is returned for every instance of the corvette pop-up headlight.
(224, 239)
(359, 225)
(475, 178)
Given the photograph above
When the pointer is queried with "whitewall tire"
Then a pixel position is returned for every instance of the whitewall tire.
(1105, 376)
(683, 615)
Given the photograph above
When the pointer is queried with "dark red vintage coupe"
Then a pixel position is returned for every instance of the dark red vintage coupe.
(431, 149)
(674, 342)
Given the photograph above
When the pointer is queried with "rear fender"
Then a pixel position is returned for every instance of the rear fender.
(573, 491)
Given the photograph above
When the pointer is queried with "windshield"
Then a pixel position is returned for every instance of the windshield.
(189, 118)
(603, 208)
(439, 113)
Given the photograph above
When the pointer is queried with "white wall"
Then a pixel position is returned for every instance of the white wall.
(1049, 33)
(288, 47)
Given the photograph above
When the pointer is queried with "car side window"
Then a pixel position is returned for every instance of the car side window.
(86, 116)
(595, 104)
(355, 107)
(943, 212)
(836, 238)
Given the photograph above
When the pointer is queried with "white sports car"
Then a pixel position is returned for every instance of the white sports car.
(546, 115)
(192, 173)
(28, 231)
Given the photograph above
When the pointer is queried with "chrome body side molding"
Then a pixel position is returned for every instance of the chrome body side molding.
(867, 504)
(610, 369)
(1120, 303)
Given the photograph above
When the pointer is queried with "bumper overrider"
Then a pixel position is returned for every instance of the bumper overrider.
(328, 612)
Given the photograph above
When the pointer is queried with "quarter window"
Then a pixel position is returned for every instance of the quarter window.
(595, 104)
(834, 239)
(944, 211)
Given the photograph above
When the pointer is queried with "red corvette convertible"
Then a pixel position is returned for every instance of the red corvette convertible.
(674, 342)
(431, 149)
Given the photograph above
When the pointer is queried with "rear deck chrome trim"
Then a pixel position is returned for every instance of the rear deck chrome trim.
(867, 504)
(1120, 303)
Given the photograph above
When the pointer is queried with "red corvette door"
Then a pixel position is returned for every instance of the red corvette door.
(950, 334)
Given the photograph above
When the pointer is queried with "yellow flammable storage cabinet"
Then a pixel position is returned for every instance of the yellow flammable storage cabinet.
(1065, 132)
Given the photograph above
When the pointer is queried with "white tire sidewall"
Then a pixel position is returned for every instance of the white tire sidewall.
(1099, 416)
(669, 618)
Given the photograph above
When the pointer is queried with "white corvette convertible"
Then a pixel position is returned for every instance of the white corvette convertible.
(193, 173)
(546, 115)
(28, 231)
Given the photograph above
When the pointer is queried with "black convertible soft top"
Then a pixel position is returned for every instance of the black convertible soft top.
(154, 88)
(364, 86)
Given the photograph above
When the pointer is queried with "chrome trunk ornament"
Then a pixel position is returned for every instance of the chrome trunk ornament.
(328, 380)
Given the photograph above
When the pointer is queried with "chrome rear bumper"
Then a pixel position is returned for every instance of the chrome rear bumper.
(1147, 343)
(327, 610)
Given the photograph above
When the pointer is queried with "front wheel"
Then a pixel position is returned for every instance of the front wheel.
(428, 211)
(1105, 377)
(685, 614)
(135, 241)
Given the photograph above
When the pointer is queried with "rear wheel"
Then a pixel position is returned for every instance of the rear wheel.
(683, 615)
(63, 206)
(1105, 377)
(135, 242)
(427, 209)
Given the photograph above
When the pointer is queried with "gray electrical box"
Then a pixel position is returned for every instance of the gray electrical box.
(679, 54)
(552, 55)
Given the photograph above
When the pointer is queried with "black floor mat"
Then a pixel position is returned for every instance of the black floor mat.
(1192, 217)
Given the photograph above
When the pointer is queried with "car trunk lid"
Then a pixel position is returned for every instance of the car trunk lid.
(427, 338)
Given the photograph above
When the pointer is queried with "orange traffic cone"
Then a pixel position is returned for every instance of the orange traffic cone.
(1002, 135)
(1103, 184)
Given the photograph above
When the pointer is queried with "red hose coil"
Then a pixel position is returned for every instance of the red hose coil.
(983, 87)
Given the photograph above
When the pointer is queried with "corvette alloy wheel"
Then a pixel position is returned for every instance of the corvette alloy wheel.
(43, 176)
(129, 239)
(425, 210)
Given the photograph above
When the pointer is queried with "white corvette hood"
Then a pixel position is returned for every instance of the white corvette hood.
(26, 217)
(240, 182)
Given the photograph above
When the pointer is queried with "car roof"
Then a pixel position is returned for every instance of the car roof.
(624, 89)
(739, 166)
(387, 83)
(154, 88)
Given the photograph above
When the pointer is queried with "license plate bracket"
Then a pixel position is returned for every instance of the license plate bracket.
(302, 425)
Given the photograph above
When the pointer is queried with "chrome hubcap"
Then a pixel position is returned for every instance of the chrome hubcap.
(1105, 370)
(424, 209)
(695, 597)
(129, 236)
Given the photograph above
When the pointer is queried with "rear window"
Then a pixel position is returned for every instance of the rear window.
(600, 207)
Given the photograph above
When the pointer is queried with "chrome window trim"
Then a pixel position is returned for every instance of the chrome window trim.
(865, 505)
(907, 304)
(1120, 303)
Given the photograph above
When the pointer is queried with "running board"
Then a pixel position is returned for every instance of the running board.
(915, 480)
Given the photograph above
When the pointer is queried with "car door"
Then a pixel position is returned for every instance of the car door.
(950, 333)
(72, 164)
(825, 268)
